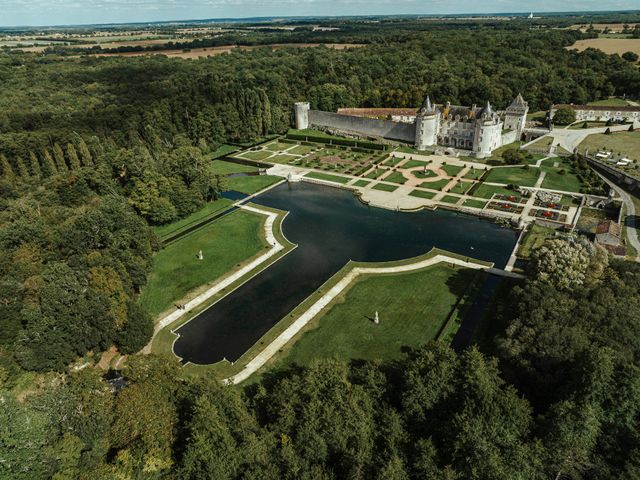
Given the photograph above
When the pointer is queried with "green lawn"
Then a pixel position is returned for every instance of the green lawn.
(412, 307)
(461, 187)
(452, 170)
(225, 243)
(474, 203)
(384, 187)
(413, 164)
(422, 194)
(251, 185)
(625, 143)
(220, 167)
(567, 181)
(474, 173)
(438, 185)
(301, 150)
(278, 146)
(361, 183)
(423, 174)
(375, 173)
(208, 210)
(393, 161)
(223, 150)
(487, 191)
(328, 177)
(396, 177)
(613, 102)
(450, 199)
(516, 175)
(283, 158)
(256, 155)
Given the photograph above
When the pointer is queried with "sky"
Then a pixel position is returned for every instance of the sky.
(67, 12)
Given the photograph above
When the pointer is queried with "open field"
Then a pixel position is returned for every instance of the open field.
(412, 307)
(328, 177)
(422, 194)
(212, 51)
(253, 184)
(609, 45)
(526, 177)
(208, 210)
(224, 243)
(625, 143)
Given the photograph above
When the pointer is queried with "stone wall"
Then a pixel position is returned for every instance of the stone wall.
(364, 126)
(509, 137)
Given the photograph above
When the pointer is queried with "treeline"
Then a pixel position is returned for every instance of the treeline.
(76, 248)
(241, 96)
(560, 401)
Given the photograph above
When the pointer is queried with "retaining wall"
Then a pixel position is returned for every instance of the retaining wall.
(405, 132)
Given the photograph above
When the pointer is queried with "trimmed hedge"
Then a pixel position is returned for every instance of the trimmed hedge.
(347, 142)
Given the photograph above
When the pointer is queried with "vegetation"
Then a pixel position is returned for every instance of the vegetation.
(384, 187)
(328, 177)
(564, 116)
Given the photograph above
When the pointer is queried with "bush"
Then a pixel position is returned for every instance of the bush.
(564, 116)
(630, 56)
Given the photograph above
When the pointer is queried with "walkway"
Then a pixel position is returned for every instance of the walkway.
(281, 340)
(276, 248)
(632, 227)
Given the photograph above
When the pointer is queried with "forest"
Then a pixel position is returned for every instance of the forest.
(94, 151)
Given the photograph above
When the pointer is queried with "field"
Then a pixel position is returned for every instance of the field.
(487, 191)
(384, 187)
(450, 199)
(514, 175)
(474, 203)
(209, 209)
(253, 184)
(212, 51)
(412, 308)
(625, 143)
(609, 45)
(422, 194)
(554, 180)
(220, 167)
(176, 271)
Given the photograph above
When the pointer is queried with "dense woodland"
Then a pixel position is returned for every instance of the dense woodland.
(94, 150)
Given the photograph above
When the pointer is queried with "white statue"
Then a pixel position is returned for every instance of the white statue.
(200, 256)
(376, 319)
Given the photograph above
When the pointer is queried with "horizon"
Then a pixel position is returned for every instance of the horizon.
(32, 14)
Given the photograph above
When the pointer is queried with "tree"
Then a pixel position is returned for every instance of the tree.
(137, 331)
(49, 164)
(85, 154)
(564, 116)
(630, 56)
(72, 155)
(58, 156)
(36, 171)
(7, 169)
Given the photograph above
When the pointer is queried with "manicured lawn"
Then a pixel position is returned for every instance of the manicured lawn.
(461, 187)
(220, 167)
(474, 203)
(256, 155)
(328, 177)
(278, 146)
(412, 308)
(393, 161)
(384, 187)
(225, 243)
(375, 173)
(487, 191)
(223, 150)
(283, 158)
(452, 170)
(396, 177)
(567, 182)
(450, 199)
(438, 185)
(516, 175)
(208, 210)
(361, 183)
(413, 164)
(474, 173)
(625, 143)
(250, 185)
(301, 150)
(422, 194)
(423, 174)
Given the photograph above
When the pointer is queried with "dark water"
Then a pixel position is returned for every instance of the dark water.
(330, 227)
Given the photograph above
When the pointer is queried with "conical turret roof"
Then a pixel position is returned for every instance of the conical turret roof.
(427, 107)
(487, 111)
(519, 102)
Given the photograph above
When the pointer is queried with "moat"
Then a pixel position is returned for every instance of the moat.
(330, 227)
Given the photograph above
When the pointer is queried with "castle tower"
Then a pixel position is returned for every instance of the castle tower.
(516, 115)
(301, 110)
(488, 132)
(427, 125)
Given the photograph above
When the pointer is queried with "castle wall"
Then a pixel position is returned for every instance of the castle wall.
(509, 137)
(364, 126)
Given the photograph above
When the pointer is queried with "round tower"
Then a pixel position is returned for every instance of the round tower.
(302, 115)
(427, 126)
(488, 132)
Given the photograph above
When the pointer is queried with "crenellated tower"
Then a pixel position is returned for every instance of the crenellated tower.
(515, 117)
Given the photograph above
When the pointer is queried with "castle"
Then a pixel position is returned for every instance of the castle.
(480, 130)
